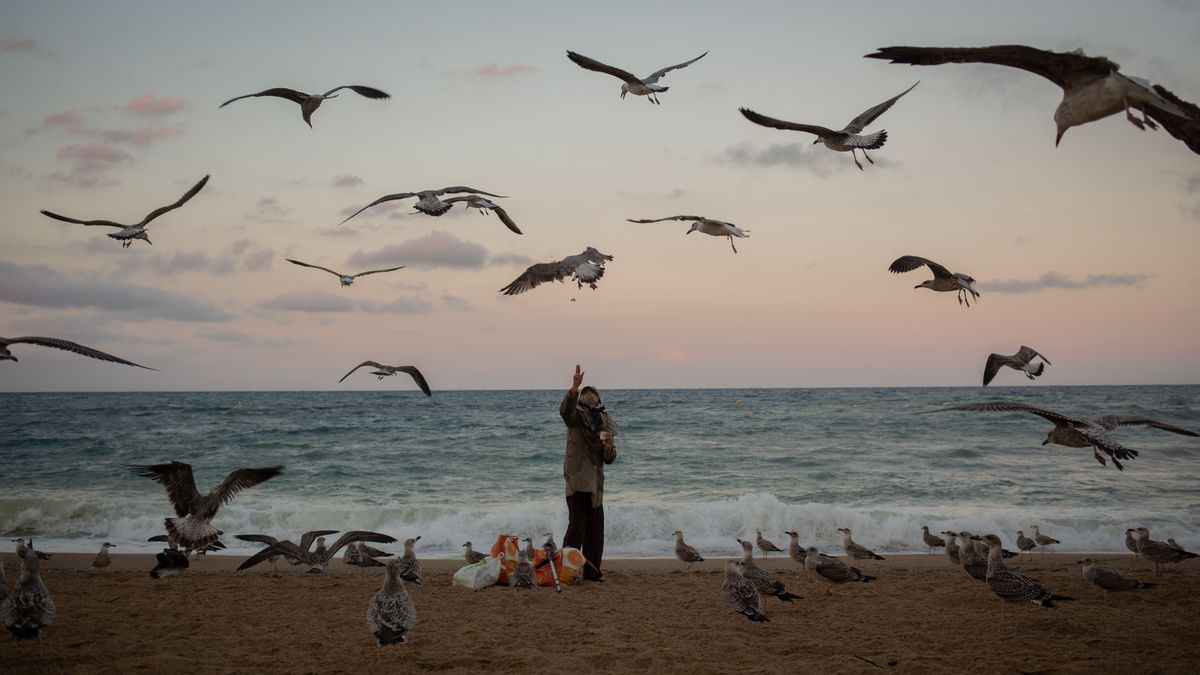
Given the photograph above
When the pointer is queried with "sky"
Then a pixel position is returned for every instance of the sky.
(1084, 252)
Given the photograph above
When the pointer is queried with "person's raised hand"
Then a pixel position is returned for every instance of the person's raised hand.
(577, 378)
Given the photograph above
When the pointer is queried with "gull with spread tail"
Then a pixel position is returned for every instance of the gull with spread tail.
(310, 102)
(583, 268)
(428, 201)
(943, 279)
(1079, 433)
(638, 86)
(849, 139)
(1093, 86)
(346, 279)
(65, 345)
(715, 228)
(1022, 361)
(138, 230)
(381, 371)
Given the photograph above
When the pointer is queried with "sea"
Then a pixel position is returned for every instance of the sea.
(717, 464)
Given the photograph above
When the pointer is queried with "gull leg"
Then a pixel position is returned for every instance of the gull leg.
(864, 152)
(731, 244)
(1147, 121)
(854, 154)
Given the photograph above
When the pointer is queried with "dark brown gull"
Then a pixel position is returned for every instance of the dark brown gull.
(310, 102)
(65, 345)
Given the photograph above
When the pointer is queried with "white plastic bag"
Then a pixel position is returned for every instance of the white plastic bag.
(479, 575)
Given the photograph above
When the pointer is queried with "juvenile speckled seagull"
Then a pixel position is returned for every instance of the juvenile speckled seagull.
(685, 552)
(410, 567)
(763, 580)
(583, 268)
(1078, 433)
(795, 551)
(1160, 553)
(1025, 544)
(1042, 540)
(65, 345)
(1022, 361)
(739, 593)
(849, 139)
(102, 559)
(193, 526)
(427, 200)
(932, 541)
(319, 557)
(1108, 579)
(138, 230)
(310, 102)
(1093, 87)
(647, 86)
(484, 205)
(943, 279)
(522, 575)
(1009, 584)
(765, 545)
(832, 570)
(28, 608)
(390, 614)
(346, 279)
(381, 371)
(854, 549)
(715, 228)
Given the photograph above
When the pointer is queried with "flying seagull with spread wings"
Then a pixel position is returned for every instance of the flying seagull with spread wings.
(381, 371)
(716, 228)
(428, 202)
(943, 279)
(346, 279)
(1022, 361)
(1093, 86)
(849, 139)
(647, 86)
(65, 345)
(1080, 433)
(138, 230)
(310, 102)
(193, 527)
(484, 205)
(584, 268)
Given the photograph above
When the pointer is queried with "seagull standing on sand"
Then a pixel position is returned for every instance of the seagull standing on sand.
(1025, 544)
(1131, 542)
(1042, 540)
(583, 268)
(763, 580)
(952, 551)
(102, 559)
(647, 86)
(1022, 361)
(849, 139)
(1009, 584)
(795, 551)
(381, 371)
(346, 279)
(931, 540)
(427, 200)
(740, 594)
(832, 570)
(310, 102)
(970, 559)
(193, 527)
(65, 345)
(484, 205)
(320, 556)
(765, 545)
(410, 567)
(471, 555)
(1078, 433)
(854, 549)
(1160, 553)
(28, 608)
(391, 614)
(684, 552)
(522, 575)
(943, 279)
(1108, 579)
(715, 228)
(138, 230)
(1093, 87)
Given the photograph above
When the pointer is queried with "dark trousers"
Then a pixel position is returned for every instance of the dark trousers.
(585, 530)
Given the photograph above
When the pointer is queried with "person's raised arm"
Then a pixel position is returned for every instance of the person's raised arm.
(567, 408)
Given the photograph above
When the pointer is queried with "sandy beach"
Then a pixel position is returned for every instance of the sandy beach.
(920, 616)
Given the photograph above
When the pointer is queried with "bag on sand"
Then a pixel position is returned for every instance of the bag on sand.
(505, 548)
(568, 563)
(478, 575)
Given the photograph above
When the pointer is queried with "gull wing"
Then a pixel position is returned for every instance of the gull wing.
(177, 478)
(1027, 354)
(239, 480)
(659, 220)
(369, 92)
(418, 378)
(1100, 439)
(656, 75)
(592, 64)
(171, 207)
(358, 535)
(506, 219)
(536, 275)
(278, 92)
(457, 189)
(258, 538)
(284, 548)
(859, 123)
(316, 267)
(765, 121)
(307, 539)
(995, 362)
(390, 269)
(1111, 422)
(1065, 69)
(1010, 406)
(385, 198)
(92, 223)
(364, 363)
(69, 346)
(1186, 129)
(908, 263)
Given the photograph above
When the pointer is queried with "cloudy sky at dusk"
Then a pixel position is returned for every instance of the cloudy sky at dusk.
(1085, 252)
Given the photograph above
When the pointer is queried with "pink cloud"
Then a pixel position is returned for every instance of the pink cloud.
(66, 118)
(89, 164)
(102, 154)
(673, 355)
(19, 45)
(345, 180)
(149, 105)
(494, 69)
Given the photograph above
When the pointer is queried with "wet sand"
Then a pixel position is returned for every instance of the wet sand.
(921, 616)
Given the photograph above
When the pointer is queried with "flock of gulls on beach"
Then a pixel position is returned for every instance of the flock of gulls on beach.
(1093, 88)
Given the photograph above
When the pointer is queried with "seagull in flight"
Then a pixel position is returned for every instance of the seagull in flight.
(716, 228)
(849, 139)
(1093, 86)
(1022, 361)
(1079, 433)
(138, 230)
(346, 279)
(647, 86)
(484, 205)
(428, 202)
(381, 371)
(943, 279)
(310, 102)
(66, 345)
(584, 268)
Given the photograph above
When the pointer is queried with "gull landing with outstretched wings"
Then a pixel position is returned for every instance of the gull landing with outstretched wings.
(346, 279)
(638, 86)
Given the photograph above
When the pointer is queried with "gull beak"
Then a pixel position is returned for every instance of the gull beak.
(417, 538)
(689, 232)
(1058, 137)
(816, 141)
(1045, 441)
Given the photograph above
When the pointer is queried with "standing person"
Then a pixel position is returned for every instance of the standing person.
(590, 434)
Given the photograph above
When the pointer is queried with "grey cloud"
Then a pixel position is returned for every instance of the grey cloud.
(94, 330)
(510, 259)
(321, 301)
(270, 210)
(240, 338)
(243, 256)
(456, 303)
(817, 159)
(1055, 280)
(41, 286)
(436, 249)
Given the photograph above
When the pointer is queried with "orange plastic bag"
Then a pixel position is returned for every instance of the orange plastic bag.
(505, 548)
(568, 563)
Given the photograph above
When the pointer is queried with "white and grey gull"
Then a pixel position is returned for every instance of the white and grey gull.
(638, 86)
(943, 279)
(137, 230)
(709, 226)
(428, 201)
(583, 268)
(1022, 361)
(685, 552)
(346, 279)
